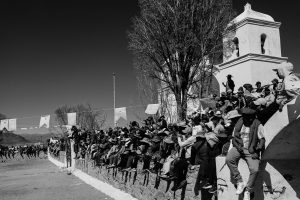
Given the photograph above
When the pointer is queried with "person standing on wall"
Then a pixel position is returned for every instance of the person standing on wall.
(229, 84)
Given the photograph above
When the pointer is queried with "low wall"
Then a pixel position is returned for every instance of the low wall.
(61, 157)
(138, 189)
(277, 180)
(60, 160)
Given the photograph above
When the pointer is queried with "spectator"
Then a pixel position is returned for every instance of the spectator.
(269, 97)
(248, 142)
(258, 89)
(229, 84)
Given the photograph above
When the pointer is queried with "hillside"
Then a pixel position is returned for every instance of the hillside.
(9, 138)
(36, 137)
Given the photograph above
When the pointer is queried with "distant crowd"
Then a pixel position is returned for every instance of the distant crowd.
(21, 151)
(231, 126)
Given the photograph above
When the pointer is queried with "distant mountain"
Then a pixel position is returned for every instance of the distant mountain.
(37, 137)
(9, 138)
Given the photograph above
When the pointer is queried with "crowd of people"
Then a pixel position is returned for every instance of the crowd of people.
(31, 151)
(231, 126)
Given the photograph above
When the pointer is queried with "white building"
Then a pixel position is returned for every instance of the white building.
(257, 49)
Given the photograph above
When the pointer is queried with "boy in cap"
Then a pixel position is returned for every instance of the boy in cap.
(248, 141)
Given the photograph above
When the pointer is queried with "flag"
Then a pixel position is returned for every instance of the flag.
(120, 113)
(152, 109)
(12, 124)
(45, 121)
(4, 124)
(71, 119)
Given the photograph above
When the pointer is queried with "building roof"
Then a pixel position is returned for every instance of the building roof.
(249, 13)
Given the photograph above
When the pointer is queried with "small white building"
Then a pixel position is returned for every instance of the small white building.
(255, 39)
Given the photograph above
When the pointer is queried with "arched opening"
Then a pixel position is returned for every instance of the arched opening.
(263, 38)
(236, 50)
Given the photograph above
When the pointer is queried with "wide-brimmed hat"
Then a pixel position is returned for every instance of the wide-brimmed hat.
(275, 80)
(284, 65)
(247, 85)
(181, 123)
(260, 102)
(200, 132)
(248, 111)
(218, 113)
(163, 132)
(156, 139)
(169, 140)
(233, 114)
(146, 141)
(187, 130)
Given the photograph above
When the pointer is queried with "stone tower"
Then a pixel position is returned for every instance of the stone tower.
(254, 49)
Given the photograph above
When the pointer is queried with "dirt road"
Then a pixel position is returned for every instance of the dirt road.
(38, 179)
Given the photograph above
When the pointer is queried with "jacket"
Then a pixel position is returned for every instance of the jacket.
(199, 151)
(256, 145)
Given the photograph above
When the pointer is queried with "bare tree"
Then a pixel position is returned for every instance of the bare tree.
(86, 117)
(2, 116)
(175, 37)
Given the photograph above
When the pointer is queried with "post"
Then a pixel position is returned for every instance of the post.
(114, 93)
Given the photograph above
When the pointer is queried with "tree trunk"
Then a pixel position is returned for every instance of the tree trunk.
(181, 101)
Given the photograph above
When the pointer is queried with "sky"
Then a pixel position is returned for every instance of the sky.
(55, 53)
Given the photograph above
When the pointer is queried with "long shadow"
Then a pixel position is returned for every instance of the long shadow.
(283, 153)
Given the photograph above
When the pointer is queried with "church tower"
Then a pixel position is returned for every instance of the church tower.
(255, 49)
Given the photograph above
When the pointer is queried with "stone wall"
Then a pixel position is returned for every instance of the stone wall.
(138, 189)
(61, 157)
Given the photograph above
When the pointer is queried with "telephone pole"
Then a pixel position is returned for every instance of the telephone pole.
(114, 91)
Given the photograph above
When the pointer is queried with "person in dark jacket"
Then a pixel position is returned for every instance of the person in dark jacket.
(199, 156)
(248, 141)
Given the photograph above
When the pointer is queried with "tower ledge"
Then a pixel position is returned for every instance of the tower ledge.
(252, 56)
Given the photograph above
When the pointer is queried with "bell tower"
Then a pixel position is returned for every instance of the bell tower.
(251, 49)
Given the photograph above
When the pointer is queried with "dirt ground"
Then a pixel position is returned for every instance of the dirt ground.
(38, 179)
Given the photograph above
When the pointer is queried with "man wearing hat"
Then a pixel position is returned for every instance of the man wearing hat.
(229, 84)
(248, 141)
(291, 83)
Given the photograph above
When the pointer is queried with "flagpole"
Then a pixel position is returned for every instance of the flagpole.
(114, 91)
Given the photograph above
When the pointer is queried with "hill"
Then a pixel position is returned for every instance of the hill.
(37, 137)
(9, 138)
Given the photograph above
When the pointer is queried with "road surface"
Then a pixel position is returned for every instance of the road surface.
(39, 179)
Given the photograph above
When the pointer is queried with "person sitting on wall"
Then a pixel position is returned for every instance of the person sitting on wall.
(259, 88)
(291, 83)
(248, 142)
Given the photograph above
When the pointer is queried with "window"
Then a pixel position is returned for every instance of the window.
(236, 51)
(262, 43)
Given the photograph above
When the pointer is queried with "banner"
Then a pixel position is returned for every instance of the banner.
(120, 113)
(45, 121)
(71, 119)
(152, 109)
(3, 124)
(12, 124)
